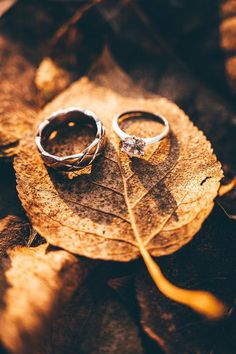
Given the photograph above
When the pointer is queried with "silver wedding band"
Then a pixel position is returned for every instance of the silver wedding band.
(76, 161)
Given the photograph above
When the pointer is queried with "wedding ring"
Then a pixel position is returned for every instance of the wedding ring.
(135, 146)
(71, 116)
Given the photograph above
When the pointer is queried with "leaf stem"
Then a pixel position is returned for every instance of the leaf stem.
(201, 301)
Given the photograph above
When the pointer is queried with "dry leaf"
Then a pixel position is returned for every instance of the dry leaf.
(164, 198)
(35, 283)
(17, 95)
(208, 262)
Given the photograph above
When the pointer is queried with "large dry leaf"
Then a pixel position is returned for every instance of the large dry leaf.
(34, 284)
(163, 199)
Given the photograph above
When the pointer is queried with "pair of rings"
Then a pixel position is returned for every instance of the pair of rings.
(132, 145)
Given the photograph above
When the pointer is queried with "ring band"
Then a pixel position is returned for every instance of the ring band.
(76, 161)
(132, 145)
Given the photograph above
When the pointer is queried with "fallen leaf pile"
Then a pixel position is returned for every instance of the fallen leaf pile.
(97, 235)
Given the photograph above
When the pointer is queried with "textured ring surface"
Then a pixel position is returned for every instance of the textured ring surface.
(133, 145)
(75, 161)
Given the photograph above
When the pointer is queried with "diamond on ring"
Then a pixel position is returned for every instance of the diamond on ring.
(133, 146)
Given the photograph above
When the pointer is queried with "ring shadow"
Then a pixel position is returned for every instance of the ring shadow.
(143, 169)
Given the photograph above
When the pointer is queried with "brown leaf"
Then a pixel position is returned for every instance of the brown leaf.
(208, 263)
(17, 95)
(35, 283)
(102, 213)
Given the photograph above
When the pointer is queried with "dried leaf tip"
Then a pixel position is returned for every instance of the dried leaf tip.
(201, 301)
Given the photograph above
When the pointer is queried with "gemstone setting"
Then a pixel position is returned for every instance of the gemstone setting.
(133, 146)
